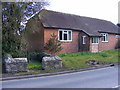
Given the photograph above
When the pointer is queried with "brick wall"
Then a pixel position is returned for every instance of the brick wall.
(111, 44)
(68, 47)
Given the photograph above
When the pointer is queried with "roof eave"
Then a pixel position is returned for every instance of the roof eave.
(108, 32)
(72, 29)
(55, 27)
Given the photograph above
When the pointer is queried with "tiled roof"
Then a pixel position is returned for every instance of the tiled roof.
(92, 26)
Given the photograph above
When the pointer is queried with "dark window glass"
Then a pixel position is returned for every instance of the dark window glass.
(103, 38)
(60, 35)
(69, 35)
(65, 36)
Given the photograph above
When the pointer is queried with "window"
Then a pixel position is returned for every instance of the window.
(104, 37)
(117, 36)
(65, 35)
(84, 39)
(95, 40)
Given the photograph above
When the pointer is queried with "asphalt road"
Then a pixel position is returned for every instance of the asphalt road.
(99, 78)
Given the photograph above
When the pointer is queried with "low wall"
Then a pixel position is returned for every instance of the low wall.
(15, 65)
(53, 62)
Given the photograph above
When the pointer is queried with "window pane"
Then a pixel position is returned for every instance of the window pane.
(69, 35)
(92, 40)
(95, 40)
(65, 36)
(103, 38)
(84, 39)
(65, 32)
(106, 37)
(60, 35)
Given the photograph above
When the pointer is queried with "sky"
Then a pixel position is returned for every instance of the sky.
(101, 9)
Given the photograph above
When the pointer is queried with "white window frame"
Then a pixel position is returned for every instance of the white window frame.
(117, 36)
(63, 35)
(96, 42)
(106, 37)
(84, 39)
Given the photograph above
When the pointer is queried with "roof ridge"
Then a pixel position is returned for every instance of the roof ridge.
(75, 15)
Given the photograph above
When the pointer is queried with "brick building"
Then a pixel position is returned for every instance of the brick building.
(77, 33)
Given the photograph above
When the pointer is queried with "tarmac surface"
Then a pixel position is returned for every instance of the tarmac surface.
(98, 78)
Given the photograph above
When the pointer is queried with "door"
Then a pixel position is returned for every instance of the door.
(84, 42)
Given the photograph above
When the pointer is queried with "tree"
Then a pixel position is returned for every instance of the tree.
(11, 19)
(14, 17)
(53, 45)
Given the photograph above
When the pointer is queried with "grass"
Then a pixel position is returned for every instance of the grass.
(39, 72)
(34, 66)
(75, 61)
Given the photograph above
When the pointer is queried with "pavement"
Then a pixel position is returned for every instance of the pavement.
(97, 78)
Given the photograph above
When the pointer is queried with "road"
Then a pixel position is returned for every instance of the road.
(99, 78)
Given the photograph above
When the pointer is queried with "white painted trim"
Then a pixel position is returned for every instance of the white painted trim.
(63, 35)
(98, 40)
(95, 43)
(117, 36)
(83, 40)
(105, 41)
(105, 36)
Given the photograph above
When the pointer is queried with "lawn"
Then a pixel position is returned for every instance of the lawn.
(77, 60)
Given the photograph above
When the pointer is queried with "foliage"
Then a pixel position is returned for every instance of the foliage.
(14, 17)
(36, 56)
(77, 60)
(41, 55)
(7, 55)
(53, 45)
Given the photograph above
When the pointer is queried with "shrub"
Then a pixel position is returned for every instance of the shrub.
(41, 55)
(19, 55)
(53, 45)
(7, 55)
(37, 56)
(31, 55)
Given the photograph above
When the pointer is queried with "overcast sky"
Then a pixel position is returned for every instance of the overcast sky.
(102, 9)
